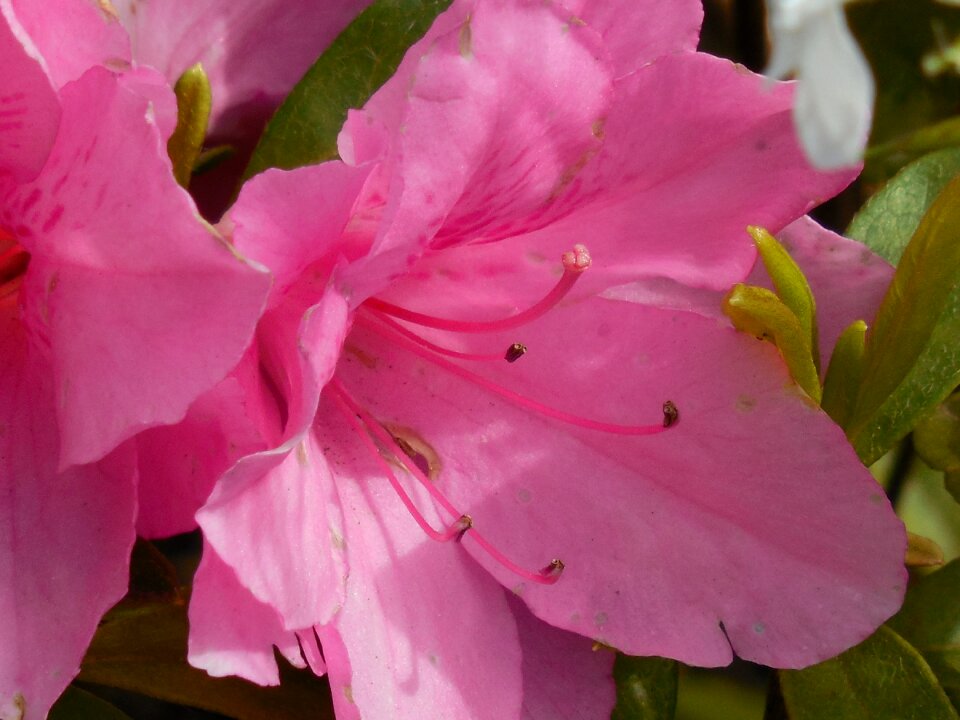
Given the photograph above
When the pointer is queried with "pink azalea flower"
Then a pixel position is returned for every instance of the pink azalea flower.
(115, 313)
(445, 521)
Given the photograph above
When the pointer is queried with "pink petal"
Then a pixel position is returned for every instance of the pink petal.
(638, 31)
(179, 464)
(564, 676)
(274, 517)
(848, 280)
(292, 221)
(275, 520)
(67, 536)
(233, 633)
(425, 633)
(73, 35)
(253, 51)
(29, 110)
(752, 512)
(144, 306)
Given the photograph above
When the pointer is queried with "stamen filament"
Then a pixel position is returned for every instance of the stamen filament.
(574, 264)
(547, 576)
(359, 319)
(516, 398)
(450, 533)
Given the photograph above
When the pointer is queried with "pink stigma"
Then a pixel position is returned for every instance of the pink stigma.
(365, 426)
(575, 262)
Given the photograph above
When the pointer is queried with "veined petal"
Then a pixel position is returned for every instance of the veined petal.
(29, 109)
(425, 634)
(675, 543)
(67, 536)
(144, 306)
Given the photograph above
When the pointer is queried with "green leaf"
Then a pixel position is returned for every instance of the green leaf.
(940, 135)
(142, 647)
(790, 282)
(888, 220)
(912, 358)
(937, 437)
(304, 129)
(883, 678)
(646, 688)
(78, 704)
(758, 311)
(930, 621)
(193, 113)
(843, 373)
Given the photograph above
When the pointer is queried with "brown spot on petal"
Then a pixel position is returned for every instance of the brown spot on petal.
(366, 359)
(20, 703)
(108, 10)
(746, 404)
(417, 449)
(348, 694)
(465, 39)
(302, 454)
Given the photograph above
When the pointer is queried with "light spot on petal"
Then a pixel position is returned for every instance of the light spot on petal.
(600, 619)
(524, 495)
(759, 628)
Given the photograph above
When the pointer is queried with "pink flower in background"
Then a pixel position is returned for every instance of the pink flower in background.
(447, 513)
(118, 306)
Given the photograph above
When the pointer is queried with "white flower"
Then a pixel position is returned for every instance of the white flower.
(835, 95)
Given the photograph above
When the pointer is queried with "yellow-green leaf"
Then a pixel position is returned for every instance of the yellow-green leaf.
(790, 282)
(193, 114)
(843, 373)
(758, 311)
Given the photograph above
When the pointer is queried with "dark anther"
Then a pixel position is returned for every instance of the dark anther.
(465, 522)
(553, 569)
(670, 413)
(515, 352)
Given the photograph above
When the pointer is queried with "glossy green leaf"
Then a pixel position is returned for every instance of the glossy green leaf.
(646, 688)
(790, 282)
(888, 220)
(78, 704)
(304, 129)
(193, 114)
(843, 373)
(142, 647)
(912, 358)
(883, 678)
(758, 311)
(930, 621)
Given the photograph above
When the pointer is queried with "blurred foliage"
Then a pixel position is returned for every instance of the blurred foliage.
(896, 35)
(646, 688)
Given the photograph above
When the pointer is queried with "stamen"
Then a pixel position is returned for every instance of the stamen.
(454, 531)
(463, 523)
(359, 319)
(518, 399)
(670, 414)
(575, 262)
(515, 352)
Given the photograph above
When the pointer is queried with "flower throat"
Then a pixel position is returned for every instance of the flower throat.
(390, 322)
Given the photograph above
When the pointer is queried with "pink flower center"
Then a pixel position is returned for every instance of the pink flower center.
(390, 322)
(13, 264)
